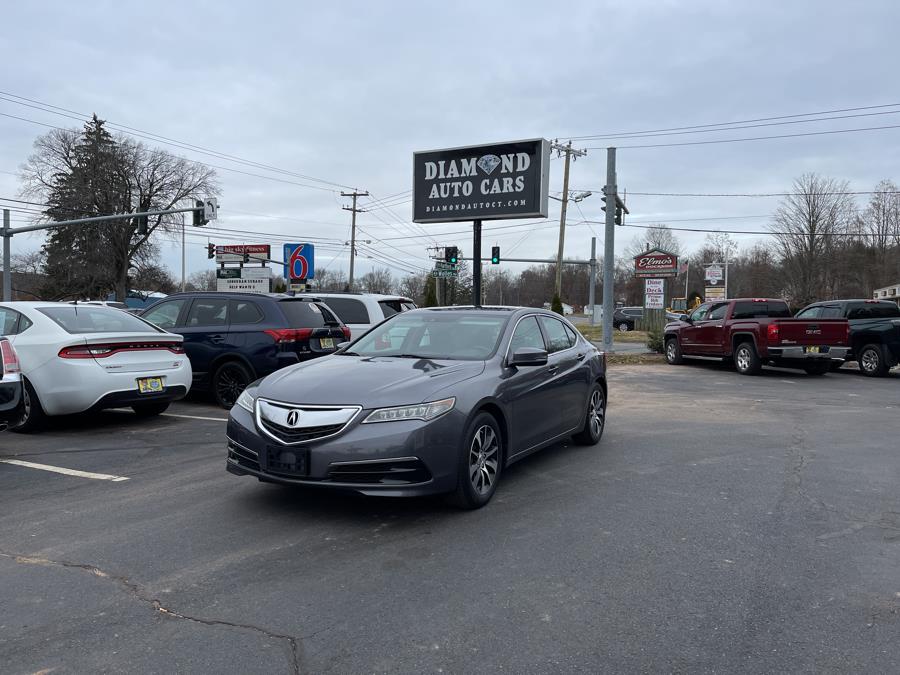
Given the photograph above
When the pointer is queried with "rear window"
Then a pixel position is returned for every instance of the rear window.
(874, 310)
(87, 319)
(350, 310)
(776, 309)
(305, 314)
(391, 307)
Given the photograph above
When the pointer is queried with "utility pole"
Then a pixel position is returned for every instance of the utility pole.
(593, 262)
(569, 152)
(7, 257)
(354, 211)
(610, 190)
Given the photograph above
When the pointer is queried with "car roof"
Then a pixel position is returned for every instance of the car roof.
(350, 294)
(871, 301)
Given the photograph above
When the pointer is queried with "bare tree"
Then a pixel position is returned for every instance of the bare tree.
(28, 262)
(378, 281)
(203, 280)
(805, 227)
(655, 236)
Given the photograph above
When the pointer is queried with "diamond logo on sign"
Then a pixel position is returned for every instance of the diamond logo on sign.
(488, 163)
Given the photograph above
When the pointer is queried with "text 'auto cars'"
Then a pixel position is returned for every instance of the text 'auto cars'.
(76, 358)
(431, 401)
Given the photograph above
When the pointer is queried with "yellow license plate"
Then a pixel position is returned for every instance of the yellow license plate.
(150, 385)
(327, 343)
(812, 350)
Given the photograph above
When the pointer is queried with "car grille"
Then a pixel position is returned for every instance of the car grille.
(245, 457)
(291, 424)
(402, 471)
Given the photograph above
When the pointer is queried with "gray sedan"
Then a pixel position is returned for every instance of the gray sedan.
(430, 401)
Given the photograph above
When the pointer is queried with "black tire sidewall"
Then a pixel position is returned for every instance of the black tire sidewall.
(879, 369)
(676, 357)
(465, 495)
(754, 359)
(37, 415)
(585, 437)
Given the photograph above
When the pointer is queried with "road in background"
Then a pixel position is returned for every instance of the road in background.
(724, 523)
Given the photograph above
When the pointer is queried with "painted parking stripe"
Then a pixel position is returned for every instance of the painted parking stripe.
(196, 417)
(63, 470)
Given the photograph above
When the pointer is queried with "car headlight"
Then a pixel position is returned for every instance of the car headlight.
(420, 411)
(247, 400)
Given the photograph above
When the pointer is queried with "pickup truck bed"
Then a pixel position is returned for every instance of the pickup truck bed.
(758, 331)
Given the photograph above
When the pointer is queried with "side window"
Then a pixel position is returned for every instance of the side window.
(244, 312)
(700, 313)
(811, 313)
(9, 321)
(350, 310)
(207, 312)
(832, 312)
(717, 312)
(557, 338)
(527, 334)
(573, 337)
(165, 315)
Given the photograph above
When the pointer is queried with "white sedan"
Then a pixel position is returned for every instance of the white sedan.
(77, 358)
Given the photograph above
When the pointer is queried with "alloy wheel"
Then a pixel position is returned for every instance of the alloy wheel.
(484, 459)
(869, 361)
(743, 359)
(670, 351)
(597, 414)
(230, 383)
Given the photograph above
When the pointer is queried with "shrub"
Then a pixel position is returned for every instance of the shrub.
(655, 342)
(556, 305)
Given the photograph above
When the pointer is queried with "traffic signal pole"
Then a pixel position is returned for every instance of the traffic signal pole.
(476, 263)
(7, 257)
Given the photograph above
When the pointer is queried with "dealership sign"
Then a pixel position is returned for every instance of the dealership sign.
(482, 182)
(656, 264)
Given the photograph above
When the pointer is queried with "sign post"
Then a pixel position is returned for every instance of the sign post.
(481, 182)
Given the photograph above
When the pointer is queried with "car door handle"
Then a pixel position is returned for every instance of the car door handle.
(552, 370)
(217, 339)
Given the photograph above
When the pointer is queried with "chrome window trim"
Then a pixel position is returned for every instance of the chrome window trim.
(537, 315)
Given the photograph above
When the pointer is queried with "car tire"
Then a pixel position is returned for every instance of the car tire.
(871, 361)
(33, 416)
(624, 327)
(594, 418)
(746, 360)
(673, 352)
(817, 368)
(151, 408)
(481, 451)
(228, 381)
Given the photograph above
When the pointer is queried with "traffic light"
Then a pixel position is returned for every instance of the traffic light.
(246, 257)
(495, 255)
(199, 210)
(142, 226)
(451, 254)
(210, 251)
(618, 215)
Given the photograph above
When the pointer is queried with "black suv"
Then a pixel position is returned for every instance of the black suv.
(874, 331)
(232, 339)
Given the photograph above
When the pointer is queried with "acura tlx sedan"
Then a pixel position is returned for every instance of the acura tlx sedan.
(430, 401)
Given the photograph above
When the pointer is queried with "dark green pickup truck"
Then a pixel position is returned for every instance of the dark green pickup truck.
(874, 331)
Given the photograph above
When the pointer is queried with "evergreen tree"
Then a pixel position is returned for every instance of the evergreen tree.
(430, 292)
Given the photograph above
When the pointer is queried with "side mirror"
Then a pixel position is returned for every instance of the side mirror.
(686, 318)
(528, 356)
(341, 346)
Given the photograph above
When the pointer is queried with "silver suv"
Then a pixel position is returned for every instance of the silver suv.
(361, 311)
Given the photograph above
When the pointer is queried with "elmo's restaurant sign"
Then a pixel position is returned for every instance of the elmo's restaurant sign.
(655, 264)
(482, 182)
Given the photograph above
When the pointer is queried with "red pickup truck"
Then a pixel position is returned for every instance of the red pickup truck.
(757, 331)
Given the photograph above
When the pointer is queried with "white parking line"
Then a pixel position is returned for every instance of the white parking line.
(63, 470)
(196, 417)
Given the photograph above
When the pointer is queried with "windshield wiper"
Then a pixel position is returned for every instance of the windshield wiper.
(345, 353)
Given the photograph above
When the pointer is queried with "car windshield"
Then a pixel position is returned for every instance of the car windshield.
(80, 319)
(434, 335)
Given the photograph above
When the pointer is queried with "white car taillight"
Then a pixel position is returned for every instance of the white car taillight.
(9, 359)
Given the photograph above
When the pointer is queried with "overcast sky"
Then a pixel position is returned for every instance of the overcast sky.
(345, 93)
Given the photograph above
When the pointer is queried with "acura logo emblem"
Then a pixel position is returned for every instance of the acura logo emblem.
(293, 417)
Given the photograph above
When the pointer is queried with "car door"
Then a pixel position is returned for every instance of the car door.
(529, 392)
(689, 334)
(205, 331)
(569, 380)
(711, 330)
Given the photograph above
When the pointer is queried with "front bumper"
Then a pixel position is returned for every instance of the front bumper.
(799, 353)
(396, 459)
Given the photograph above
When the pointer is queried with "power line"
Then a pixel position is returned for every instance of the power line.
(756, 232)
(760, 194)
(754, 138)
(132, 131)
(728, 124)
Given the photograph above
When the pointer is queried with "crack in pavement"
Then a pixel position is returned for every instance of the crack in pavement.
(136, 591)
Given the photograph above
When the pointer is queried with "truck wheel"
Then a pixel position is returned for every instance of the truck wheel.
(871, 361)
(817, 368)
(673, 352)
(746, 360)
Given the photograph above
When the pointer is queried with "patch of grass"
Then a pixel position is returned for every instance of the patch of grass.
(595, 334)
(634, 359)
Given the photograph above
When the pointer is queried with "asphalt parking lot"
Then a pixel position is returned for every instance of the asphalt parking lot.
(724, 523)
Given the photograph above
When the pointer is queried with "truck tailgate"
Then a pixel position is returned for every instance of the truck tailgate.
(827, 332)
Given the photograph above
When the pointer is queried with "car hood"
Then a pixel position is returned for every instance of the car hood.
(367, 381)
